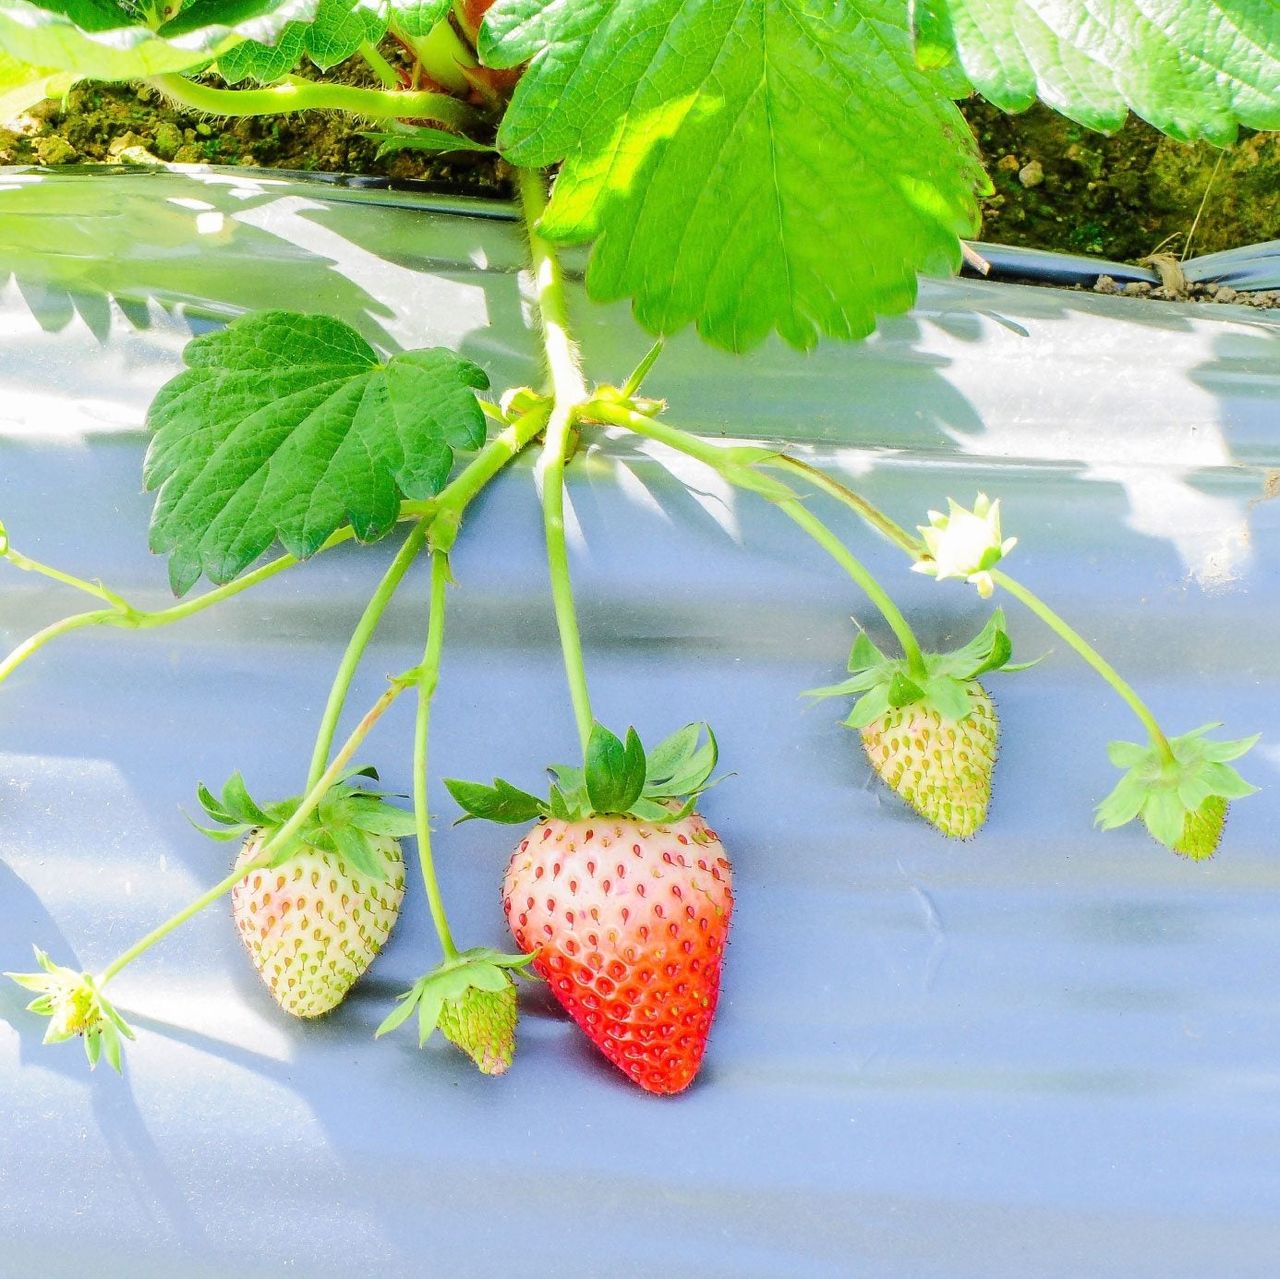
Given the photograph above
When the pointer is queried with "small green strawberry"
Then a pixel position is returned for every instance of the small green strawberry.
(471, 1000)
(931, 734)
(315, 917)
(75, 1005)
(621, 897)
(1181, 794)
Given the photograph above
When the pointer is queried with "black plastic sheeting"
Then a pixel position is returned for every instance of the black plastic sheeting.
(1045, 1052)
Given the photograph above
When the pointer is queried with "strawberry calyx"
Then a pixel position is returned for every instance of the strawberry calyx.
(349, 822)
(471, 1000)
(946, 686)
(618, 778)
(75, 1005)
(1181, 795)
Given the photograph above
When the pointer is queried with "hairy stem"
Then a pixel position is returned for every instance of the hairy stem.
(357, 645)
(568, 390)
(428, 679)
(29, 565)
(743, 475)
(280, 839)
(1090, 655)
(295, 94)
(379, 65)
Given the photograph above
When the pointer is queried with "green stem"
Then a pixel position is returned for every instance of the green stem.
(295, 94)
(126, 616)
(447, 507)
(568, 391)
(442, 56)
(842, 493)
(281, 838)
(744, 476)
(379, 65)
(356, 646)
(428, 679)
(1090, 655)
(29, 565)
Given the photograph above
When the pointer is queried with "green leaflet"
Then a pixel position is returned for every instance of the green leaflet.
(745, 165)
(286, 426)
(1192, 68)
(22, 86)
(336, 32)
(108, 41)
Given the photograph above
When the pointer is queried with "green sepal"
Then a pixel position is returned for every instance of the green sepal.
(500, 802)
(1183, 800)
(885, 683)
(618, 779)
(345, 822)
(614, 772)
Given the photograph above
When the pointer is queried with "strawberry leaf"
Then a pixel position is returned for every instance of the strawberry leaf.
(417, 17)
(334, 34)
(286, 426)
(749, 167)
(103, 40)
(1192, 68)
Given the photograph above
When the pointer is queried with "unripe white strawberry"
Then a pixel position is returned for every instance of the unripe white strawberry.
(940, 766)
(314, 925)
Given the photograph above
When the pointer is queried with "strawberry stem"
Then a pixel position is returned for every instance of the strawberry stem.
(286, 832)
(568, 392)
(295, 94)
(379, 65)
(1091, 655)
(428, 679)
(356, 646)
(784, 497)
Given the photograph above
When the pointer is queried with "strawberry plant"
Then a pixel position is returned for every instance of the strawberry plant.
(770, 167)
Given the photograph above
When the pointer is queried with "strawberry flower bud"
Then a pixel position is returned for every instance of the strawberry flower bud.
(75, 1006)
(965, 543)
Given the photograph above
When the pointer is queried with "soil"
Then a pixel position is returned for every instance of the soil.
(1057, 185)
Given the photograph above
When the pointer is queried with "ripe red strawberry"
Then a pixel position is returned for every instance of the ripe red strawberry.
(627, 920)
(314, 925)
(314, 918)
(941, 766)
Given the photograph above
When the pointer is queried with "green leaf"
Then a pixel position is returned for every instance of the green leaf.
(1192, 68)
(22, 86)
(336, 32)
(672, 754)
(424, 138)
(102, 40)
(286, 426)
(417, 17)
(615, 770)
(500, 802)
(691, 777)
(750, 166)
